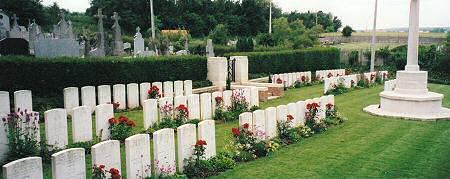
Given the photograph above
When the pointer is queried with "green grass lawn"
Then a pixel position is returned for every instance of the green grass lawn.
(386, 34)
(364, 146)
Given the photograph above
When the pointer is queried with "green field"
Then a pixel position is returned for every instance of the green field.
(364, 146)
(386, 34)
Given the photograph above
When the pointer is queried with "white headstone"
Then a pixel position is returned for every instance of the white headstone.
(246, 92)
(143, 92)
(164, 151)
(323, 109)
(119, 95)
(3, 139)
(213, 100)
(254, 97)
(187, 87)
(160, 87)
(139, 44)
(282, 112)
(71, 99)
(82, 124)
(137, 153)
(179, 100)
(227, 98)
(246, 118)
(23, 100)
(194, 106)
(178, 88)
(271, 122)
(4, 102)
(292, 110)
(69, 163)
(186, 139)
(104, 94)
(150, 109)
(217, 71)
(103, 113)
(301, 111)
(168, 89)
(205, 106)
(259, 123)
(132, 96)
(88, 97)
(56, 134)
(107, 153)
(207, 132)
(241, 68)
(24, 168)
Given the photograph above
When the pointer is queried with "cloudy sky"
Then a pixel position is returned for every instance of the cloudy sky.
(356, 13)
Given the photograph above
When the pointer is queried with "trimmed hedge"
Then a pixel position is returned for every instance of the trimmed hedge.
(310, 59)
(48, 77)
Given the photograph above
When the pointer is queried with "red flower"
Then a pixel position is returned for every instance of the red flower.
(352, 83)
(312, 106)
(131, 123)
(200, 143)
(330, 75)
(112, 121)
(303, 78)
(279, 81)
(329, 106)
(236, 131)
(102, 166)
(219, 99)
(290, 117)
(123, 119)
(246, 125)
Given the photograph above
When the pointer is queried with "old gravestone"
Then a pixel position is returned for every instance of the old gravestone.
(137, 153)
(56, 128)
(103, 113)
(119, 95)
(214, 95)
(205, 106)
(207, 132)
(194, 106)
(88, 97)
(187, 87)
(143, 92)
(82, 124)
(4, 102)
(71, 99)
(259, 122)
(301, 111)
(164, 151)
(104, 94)
(132, 96)
(180, 100)
(271, 122)
(69, 163)
(227, 98)
(118, 43)
(186, 139)
(168, 89)
(150, 109)
(99, 51)
(30, 167)
(159, 85)
(139, 46)
(107, 153)
(178, 88)
(292, 110)
(282, 112)
(246, 118)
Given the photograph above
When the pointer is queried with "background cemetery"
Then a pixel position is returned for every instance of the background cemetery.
(94, 91)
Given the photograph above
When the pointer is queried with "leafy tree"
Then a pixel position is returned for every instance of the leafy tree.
(25, 10)
(347, 31)
(265, 39)
(245, 44)
(219, 35)
(326, 20)
(293, 34)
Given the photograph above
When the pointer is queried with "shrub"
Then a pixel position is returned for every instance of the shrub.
(219, 34)
(347, 31)
(286, 133)
(274, 62)
(121, 128)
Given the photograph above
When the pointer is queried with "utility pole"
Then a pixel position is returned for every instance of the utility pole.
(270, 16)
(152, 19)
(374, 38)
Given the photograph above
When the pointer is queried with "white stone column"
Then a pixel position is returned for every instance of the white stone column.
(413, 37)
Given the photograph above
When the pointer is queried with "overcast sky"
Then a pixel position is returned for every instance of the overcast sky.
(356, 13)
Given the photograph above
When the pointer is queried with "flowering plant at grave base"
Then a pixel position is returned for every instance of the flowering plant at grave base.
(337, 89)
(220, 109)
(121, 128)
(304, 131)
(21, 129)
(352, 83)
(245, 146)
(164, 170)
(372, 77)
(313, 121)
(272, 146)
(332, 115)
(146, 171)
(238, 102)
(329, 75)
(166, 111)
(182, 114)
(153, 93)
(286, 132)
(99, 172)
(279, 81)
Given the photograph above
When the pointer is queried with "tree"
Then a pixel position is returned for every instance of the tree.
(25, 10)
(293, 34)
(347, 31)
(326, 20)
(219, 35)
(265, 39)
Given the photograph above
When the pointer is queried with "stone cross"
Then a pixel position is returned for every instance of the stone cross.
(100, 17)
(15, 18)
(118, 43)
(413, 37)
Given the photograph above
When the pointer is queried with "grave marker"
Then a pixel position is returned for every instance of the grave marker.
(164, 151)
(137, 152)
(194, 106)
(107, 153)
(178, 88)
(259, 122)
(103, 113)
(205, 106)
(30, 167)
(23, 100)
(143, 92)
(132, 96)
(104, 94)
(119, 95)
(187, 87)
(4, 102)
(82, 124)
(150, 109)
(88, 97)
(186, 139)
(56, 134)
(71, 99)
(271, 122)
(207, 132)
(69, 163)
(168, 89)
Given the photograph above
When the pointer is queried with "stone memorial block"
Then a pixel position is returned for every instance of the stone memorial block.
(30, 167)
(187, 87)
(271, 122)
(168, 89)
(282, 112)
(186, 139)
(88, 97)
(49, 47)
(137, 154)
(104, 94)
(301, 111)
(214, 95)
(143, 92)
(150, 109)
(178, 88)
(160, 87)
(207, 132)
(69, 163)
(194, 106)
(82, 124)
(246, 118)
(179, 100)
(254, 97)
(71, 99)
(103, 113)
(164, 151)
(259, 123)
(23, 100)
(205, 106)
(241, 68)
(119, 96)
(107, 153)
(132, 96)
(139, 44)
(217, 71)
(292, 110)
(5, 107)
(227, 98)
(56, 134)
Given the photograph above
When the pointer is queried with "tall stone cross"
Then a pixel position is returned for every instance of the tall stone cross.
(100, 17)
(15, 18)
(63, 16)
(118, 43)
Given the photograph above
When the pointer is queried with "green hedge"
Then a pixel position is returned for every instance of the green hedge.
(311, 59)
(48, 77)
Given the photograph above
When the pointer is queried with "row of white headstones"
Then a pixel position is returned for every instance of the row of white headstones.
(70, 163)
(264, 122)
(200, 107)
(289, 79)
(324, 74)
(350, 80)
(127, 96)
